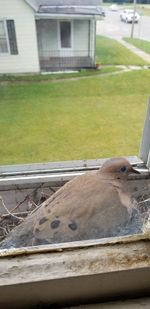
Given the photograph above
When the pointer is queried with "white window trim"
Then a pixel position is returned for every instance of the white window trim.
(59, 35)
(7, 39)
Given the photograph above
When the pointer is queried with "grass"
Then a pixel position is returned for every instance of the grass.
(73, 119)
(56, 76)
(143, 9)
(46, 119)
(109, 51)
(141, 44)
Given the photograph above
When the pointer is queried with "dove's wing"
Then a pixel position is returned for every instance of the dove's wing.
(87, 211)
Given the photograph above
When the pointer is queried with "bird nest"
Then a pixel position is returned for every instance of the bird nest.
(138, 223)
(27, 204)
(140, 219)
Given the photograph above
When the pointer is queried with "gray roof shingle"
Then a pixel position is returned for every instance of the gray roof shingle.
(74, 7)
(38, 3)
(70, 10)
(68, 2)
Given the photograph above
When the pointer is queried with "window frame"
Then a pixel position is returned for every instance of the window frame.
(7, 38)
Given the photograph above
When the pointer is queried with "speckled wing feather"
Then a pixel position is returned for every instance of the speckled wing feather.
(87, 207)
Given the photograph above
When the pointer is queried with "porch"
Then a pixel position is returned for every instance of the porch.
(50, 61)
(65, 45)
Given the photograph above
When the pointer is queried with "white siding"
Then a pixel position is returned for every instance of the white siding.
(81, 37)
(27, 60)
(84, 37)
(92, 38)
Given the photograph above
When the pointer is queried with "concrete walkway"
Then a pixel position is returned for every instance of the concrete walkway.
(122, 69)
(136, 50)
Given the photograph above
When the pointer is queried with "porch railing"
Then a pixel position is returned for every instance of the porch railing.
(63, 60)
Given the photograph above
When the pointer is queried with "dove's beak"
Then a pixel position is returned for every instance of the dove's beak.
(134, 171)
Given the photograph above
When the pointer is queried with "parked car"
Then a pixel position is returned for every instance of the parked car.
(128, 15)
(114, 7)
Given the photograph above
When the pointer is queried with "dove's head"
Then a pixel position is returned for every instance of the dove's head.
(118, 168)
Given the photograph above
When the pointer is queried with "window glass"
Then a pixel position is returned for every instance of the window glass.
(12, 37)
(65, 34)
(3, 38)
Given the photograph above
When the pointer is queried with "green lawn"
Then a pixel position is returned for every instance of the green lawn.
(109, 51)
(76, 119)
(57, 76)
(142, 44)
(143, 9)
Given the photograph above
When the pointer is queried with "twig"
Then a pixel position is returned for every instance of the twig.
(23, 213)
(50, 188)
(27, 197)
(45, 194)
(19, 204)
(147, 200)
(33, 203)
(7, 210)
(3, 229)
(35, 209)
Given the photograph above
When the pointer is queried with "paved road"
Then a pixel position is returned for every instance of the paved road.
(112, 27)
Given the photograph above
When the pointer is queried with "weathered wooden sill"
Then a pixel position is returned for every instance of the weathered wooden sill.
(75, 272)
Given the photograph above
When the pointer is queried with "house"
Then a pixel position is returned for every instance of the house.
(47, 35)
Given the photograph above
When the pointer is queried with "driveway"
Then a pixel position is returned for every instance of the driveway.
(111, 26)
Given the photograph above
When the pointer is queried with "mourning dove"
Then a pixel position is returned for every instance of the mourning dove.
(93, 205)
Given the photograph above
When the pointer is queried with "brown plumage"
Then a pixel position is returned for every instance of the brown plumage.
(94, 205)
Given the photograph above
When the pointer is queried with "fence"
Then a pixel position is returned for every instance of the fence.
(56, 60)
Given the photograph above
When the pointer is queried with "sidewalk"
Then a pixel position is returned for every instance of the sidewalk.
(135, 50)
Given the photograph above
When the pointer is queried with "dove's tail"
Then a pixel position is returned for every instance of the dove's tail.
(21, 236)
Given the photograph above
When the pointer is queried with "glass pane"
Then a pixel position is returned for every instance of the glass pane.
(65, 33)
(3, 40)
(12, 37)
(2, 29)
(3, 45)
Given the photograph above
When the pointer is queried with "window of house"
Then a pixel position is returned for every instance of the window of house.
(8, 41)
(65, 34)
(3, 38)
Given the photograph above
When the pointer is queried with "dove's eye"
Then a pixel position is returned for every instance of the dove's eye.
(123, 169)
